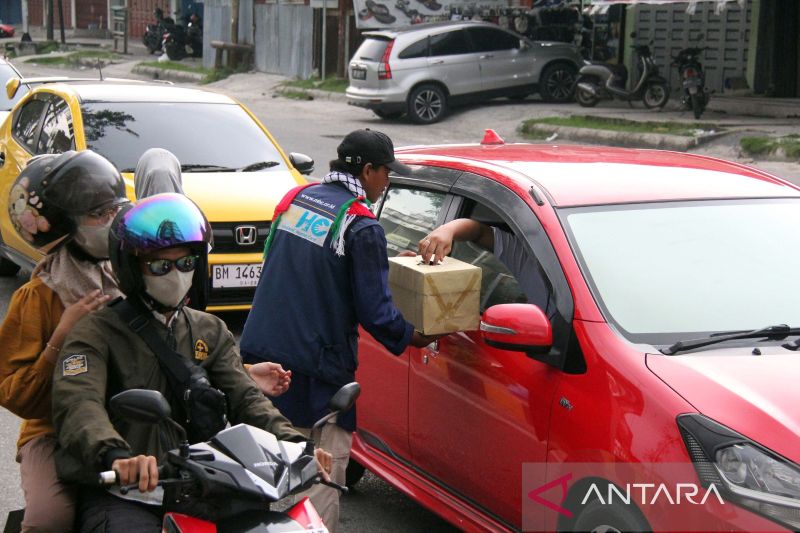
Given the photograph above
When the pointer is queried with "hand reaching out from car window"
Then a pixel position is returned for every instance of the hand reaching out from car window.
(271, 378)
(437, 245)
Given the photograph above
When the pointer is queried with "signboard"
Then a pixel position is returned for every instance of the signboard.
(375, 14)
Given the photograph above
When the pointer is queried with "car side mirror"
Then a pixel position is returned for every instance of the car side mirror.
(141, 405)
(517, 327)
(303, 163)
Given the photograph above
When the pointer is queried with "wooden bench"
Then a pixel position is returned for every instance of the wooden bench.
(235, 50)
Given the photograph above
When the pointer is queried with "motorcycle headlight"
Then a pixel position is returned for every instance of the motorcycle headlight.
(749, 474)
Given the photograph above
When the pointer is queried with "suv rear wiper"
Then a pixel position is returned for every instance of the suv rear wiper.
(258, 166)
(780, 331)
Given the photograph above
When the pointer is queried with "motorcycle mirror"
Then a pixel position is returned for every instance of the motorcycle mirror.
(141, 405)
(345, 397)
(340, 402)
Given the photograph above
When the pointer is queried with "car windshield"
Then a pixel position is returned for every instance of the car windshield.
(202, 136)
(6, 73)
(676, 270)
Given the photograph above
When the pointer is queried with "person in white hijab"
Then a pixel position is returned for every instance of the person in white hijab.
(157, 171)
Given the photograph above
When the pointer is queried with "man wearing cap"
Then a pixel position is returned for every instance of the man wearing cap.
(325, 272)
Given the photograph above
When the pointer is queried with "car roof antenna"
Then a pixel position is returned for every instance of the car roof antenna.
(99, 66)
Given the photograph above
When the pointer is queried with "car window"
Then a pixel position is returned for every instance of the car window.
(417, 49)
(371, 49)
(56, 136)
(407, 215)
(498, 283)
(201, 135)
(27, 125)
(492, 39)
(450, 43)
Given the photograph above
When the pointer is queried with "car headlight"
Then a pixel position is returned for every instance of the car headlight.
(751, 475)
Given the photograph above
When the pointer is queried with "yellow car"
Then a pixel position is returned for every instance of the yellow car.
(232, 167)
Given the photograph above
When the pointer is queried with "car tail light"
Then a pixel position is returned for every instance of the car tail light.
(689, 73)
(384, 71)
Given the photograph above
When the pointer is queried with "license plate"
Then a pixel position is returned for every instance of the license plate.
(235, 275)
(358, 74)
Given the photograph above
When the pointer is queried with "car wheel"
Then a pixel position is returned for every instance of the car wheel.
(355, 471)
(655, 95)
(557, 83)
(599, 517)
(388, 115)
(8, 267)
(427, 104)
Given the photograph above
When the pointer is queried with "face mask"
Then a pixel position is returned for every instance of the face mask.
(94, 240)
(169, 289)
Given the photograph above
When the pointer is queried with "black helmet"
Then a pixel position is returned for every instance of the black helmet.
(154, 223)
(54, 189)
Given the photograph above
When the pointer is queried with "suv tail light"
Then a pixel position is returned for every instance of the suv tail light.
(384, 71)
(689, 72)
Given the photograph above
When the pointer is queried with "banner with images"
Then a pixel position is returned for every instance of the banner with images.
(381, 14)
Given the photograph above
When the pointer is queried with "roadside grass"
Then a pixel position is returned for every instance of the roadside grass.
(75, 57)
(177, 65)
(615, 124)
(788, 145)
(337, 85)
(295, 95)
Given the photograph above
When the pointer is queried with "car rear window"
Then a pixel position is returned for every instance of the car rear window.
(222, 135)
(372, 49)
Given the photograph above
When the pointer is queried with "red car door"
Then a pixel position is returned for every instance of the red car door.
(407, 213)
(477, 414)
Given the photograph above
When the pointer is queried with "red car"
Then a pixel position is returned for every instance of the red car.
(6, 30)
(653, 385)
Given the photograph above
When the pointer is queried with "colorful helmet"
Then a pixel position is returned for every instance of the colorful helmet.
(154, 223)
(55, 189)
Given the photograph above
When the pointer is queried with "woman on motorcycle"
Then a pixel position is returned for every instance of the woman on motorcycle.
(63, 204)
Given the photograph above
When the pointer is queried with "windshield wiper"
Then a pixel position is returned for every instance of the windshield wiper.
(206, 168)
(258, 166)
(780, 331)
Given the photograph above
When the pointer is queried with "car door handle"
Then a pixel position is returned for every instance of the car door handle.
(487, 56)
(437, 62)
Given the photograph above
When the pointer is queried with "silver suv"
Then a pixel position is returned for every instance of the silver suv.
(426, 68)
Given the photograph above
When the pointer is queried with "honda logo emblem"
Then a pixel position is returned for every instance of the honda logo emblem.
(245, 235)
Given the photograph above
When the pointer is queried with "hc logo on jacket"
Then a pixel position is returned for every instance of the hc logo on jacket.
(307, 224)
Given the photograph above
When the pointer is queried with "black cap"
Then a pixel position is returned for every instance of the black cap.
(370, 146)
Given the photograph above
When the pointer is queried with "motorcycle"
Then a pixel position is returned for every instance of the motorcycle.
(690, 71)
(228, 483)
(194, 35)
(154, 33)
(603, 81)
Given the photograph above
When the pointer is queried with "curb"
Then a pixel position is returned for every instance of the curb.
(169, 74)
(314, 94)
(625, 139)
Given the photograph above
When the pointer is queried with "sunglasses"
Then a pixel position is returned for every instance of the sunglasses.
(161, 267)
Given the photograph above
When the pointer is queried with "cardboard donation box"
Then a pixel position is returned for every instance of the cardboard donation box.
(442, 298)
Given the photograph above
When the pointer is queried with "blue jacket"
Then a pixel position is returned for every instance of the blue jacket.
(310, 301)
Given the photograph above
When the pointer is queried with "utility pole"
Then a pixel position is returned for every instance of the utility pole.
(49, 7)
(61, 20)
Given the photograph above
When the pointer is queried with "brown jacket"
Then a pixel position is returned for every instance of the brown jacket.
(103, 356)
(26, 377)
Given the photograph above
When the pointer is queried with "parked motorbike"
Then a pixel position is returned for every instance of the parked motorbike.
(603, 81)
(228, 483)
(154, 33)
(695, 95)
(194, 35)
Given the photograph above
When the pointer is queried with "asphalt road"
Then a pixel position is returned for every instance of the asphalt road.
(315, 128)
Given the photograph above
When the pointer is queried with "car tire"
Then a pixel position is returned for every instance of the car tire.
(355, 471)
(427, 104)
(8, 267)
(557, 83)
(600, 517)
(388, 115)
(655, 95)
